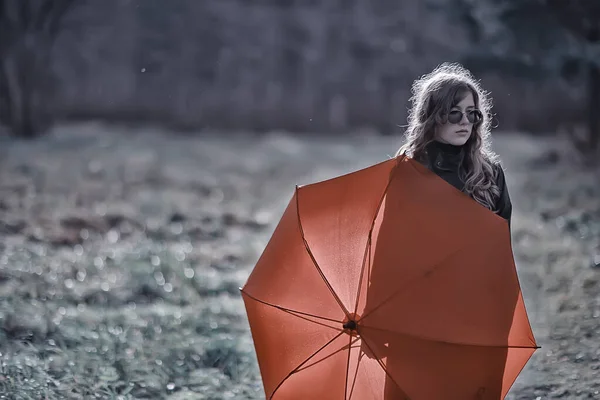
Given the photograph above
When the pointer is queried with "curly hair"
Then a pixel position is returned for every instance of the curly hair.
(433, 96)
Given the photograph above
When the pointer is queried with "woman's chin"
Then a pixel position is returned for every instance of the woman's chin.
(455, 138)
(457, 141)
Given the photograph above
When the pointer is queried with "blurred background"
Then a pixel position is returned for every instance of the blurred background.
(294, 65)
(148, 149)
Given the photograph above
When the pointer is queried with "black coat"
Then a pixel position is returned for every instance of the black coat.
(444, 160)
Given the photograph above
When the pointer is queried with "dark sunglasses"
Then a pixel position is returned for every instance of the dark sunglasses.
(473, 116)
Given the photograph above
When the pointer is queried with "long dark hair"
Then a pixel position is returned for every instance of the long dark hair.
(433, 96)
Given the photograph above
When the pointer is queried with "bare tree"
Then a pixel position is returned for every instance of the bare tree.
(28, 29)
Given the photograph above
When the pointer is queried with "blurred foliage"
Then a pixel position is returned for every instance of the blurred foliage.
(537, 39)
(309, 66)
(530, 37)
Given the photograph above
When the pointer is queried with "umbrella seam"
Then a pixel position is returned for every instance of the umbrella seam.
(291, 311)
(355, 375)
(348, 366)
(292, 372)
(370, 237)
(448, 342)
(439, 264)
(310, 254)
(323, 359)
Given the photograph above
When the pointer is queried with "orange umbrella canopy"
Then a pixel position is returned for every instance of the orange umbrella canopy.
(387, 283)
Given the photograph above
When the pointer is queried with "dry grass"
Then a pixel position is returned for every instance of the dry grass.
(122, 254)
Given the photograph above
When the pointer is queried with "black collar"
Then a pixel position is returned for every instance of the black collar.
(444, 156)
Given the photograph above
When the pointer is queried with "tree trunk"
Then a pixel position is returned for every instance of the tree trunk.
(594, 95)
(24, 77)
(594, 108)
(27, 82)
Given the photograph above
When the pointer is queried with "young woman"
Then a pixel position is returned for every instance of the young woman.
(449, 131)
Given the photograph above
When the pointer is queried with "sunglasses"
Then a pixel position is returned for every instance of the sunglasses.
(473, 116)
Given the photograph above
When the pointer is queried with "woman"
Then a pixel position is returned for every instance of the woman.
(449, 132)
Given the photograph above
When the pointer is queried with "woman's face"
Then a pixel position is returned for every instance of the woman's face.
(457, 133)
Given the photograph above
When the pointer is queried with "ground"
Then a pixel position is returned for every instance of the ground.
(122, 251)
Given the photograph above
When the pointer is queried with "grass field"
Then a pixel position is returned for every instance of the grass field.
(121, 254)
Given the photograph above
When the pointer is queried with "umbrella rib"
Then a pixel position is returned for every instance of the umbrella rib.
(448, 342)
(312, 257)
(304, 362)
(348, 366)
(366, 260)
(435, 266)
(369, 243)
(294, 312)
(360, 356)
(349, 347)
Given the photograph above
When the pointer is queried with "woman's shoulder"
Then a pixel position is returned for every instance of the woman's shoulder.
(498, 171)
(503, 202)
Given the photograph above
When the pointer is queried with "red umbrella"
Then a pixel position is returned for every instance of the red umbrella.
(387, 283)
